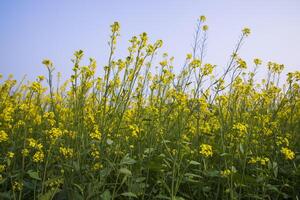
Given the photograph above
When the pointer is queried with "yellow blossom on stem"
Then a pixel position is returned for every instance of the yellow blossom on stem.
(10, 154)
(95, 135)
(55, 133)
(17, 186)
(202, 18)
(246, 31)
(257, 159)
(25, 152)
(195, 63)
(32, 142)
(115, 27)
(97, 166)
(226, 172)
(3, 136)
(95, 154)
(38, 157)
(257, 61)
(205, 28)
(206, 150)
(2, 168)
(134, 130)
(189, 56)
(66, 152)
(288, 154)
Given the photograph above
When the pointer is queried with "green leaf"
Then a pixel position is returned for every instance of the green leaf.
(148, 150)
(127, 160)
(34, 175)
(76, 166)
(29, 184)
(79, 188)
(160, 196)
(275, 169)
(192, 162)
(155, 164)
(137, 188)
(140, 179)
(2, 180)
(254, 196)
(241, 148)
(212, 173)
(166, 141)
(225, 154)
(8, 162)
(125, 171)
(129, 194)
(6, 195)
(178, 198)
(206, 189)
(192, 175)
(49, 195)
(272, 187)
(124, 179)
(106, 195)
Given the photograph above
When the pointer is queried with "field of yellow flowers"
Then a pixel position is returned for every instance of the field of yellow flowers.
(140, 132)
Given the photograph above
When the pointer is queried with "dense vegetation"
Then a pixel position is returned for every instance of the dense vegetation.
(143, 133)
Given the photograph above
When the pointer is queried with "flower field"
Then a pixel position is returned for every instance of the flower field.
(142, 131)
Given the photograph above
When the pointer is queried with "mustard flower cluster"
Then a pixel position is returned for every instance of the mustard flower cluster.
(288, 153)
(206, 150)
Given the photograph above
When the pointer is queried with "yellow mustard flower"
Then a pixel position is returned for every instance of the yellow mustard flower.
(55, 133)
(95, 135)
(195, 63)
(10, 154)
(17, 186)
(205, 28)
(32, 142)
(66, 152)
(226, 172)
(202, 18)
(95, 154)
(206, 150)
(258, 159)
(38, 157)
(289, 154)
(240, 129)
(2, 168)
(246, 31)
(134, 130)
(115, 27)
(97, 166)
(25, 152)
(257, 61)
(189, 56)
(3, 136)
(207, 69)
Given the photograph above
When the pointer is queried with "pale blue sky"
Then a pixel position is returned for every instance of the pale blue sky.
(31, 30)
